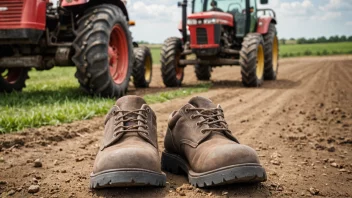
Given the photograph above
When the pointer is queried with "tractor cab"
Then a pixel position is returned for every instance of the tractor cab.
(243, 12)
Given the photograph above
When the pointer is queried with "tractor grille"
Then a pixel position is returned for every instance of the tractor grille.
(202, 36)
(11, 11)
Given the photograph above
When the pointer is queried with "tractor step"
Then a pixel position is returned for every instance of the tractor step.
(21, 61)
(212, 62)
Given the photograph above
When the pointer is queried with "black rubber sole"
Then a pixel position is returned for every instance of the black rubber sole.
(245, 173)
(127, 178)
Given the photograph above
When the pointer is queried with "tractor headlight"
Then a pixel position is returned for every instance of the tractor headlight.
(210, 21)
(192, 22)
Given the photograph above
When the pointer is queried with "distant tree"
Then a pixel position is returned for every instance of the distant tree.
(142, 42)
(311, 41)
(343, 38)
(283, 41)
(301, 41)
(321, 39)
(350, 38)
(333, 39)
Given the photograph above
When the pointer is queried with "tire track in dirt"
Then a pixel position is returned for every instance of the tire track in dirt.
(292, 101)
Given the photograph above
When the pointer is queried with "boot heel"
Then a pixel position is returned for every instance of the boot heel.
(170, 164)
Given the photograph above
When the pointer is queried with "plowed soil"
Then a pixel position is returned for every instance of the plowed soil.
(300, 125)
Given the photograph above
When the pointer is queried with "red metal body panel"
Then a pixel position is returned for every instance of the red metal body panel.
(23, 14)
(73, 2)
(210, 32)
(263, 24)
(223, 18)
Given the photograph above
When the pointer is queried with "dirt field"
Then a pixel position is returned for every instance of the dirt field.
(300, 125)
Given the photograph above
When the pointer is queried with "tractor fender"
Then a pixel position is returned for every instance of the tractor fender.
(73, 3)
(118, 3)
(263, 24)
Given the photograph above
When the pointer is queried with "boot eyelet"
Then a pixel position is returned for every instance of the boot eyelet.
(148, 110)
(202, 131)
(198, 123)
(191, 117)
(187, 110)
(115, 134)
(147, 127)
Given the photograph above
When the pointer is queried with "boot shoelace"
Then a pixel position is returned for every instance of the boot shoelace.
(211, 119)
(132, 117)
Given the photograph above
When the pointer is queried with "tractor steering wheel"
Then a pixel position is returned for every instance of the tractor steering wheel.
(231, 4)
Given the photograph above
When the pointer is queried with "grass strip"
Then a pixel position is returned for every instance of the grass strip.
(52, 98)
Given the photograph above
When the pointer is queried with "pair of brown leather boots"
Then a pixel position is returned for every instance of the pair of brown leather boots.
(197, 142)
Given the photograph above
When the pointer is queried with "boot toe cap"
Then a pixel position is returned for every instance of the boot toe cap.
(125, 158)
(223, 155)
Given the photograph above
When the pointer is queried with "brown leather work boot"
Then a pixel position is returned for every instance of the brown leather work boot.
(199, 143)
(129, 153)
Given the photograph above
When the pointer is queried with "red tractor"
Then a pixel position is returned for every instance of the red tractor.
(223, 32)
(94, 35)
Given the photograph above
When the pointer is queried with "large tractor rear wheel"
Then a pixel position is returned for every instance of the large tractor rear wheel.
(170, 55)
(104, 52)
(203, 72)
(143, 67)
(252, 60)
(271, 56)
(13, 79)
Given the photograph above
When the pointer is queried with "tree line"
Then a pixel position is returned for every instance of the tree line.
(323, 39)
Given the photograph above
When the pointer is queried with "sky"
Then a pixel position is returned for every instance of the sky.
(156, 20)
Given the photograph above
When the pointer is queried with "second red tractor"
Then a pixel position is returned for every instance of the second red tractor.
(223, 32)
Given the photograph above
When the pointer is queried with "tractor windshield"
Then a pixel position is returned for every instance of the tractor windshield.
(219, 5)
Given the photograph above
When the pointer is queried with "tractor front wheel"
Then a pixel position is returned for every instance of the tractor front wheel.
(104, 52)
(172, 73)
(143, 67)
(13, 79)
(271, 48)
(203, 72)
(252, 60)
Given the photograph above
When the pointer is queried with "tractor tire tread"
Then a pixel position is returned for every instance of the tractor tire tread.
(248, 59)
(171, 48)
(91, 46)
(138, 72)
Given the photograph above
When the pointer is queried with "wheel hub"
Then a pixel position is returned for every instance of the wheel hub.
(179, 70)
(260, 62)
(148, 68)
(11, 76)
(275, 53)
(118, 54)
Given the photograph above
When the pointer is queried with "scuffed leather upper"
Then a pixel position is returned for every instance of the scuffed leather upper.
(129, 150)
(204, 150)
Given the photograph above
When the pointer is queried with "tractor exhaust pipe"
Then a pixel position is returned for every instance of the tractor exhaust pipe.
(183, 4)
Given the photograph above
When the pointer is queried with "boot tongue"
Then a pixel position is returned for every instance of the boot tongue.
(130, 103)
(200, 102)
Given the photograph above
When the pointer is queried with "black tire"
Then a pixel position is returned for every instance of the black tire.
(252, 43)
(143, 67)
(203, 72)
(13, 79)
(92, 46)
(170, 55)
(271, 58)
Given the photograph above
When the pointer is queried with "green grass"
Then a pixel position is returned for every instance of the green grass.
(156, 54)
(321, 49)
(52, 97)
(290, 50)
